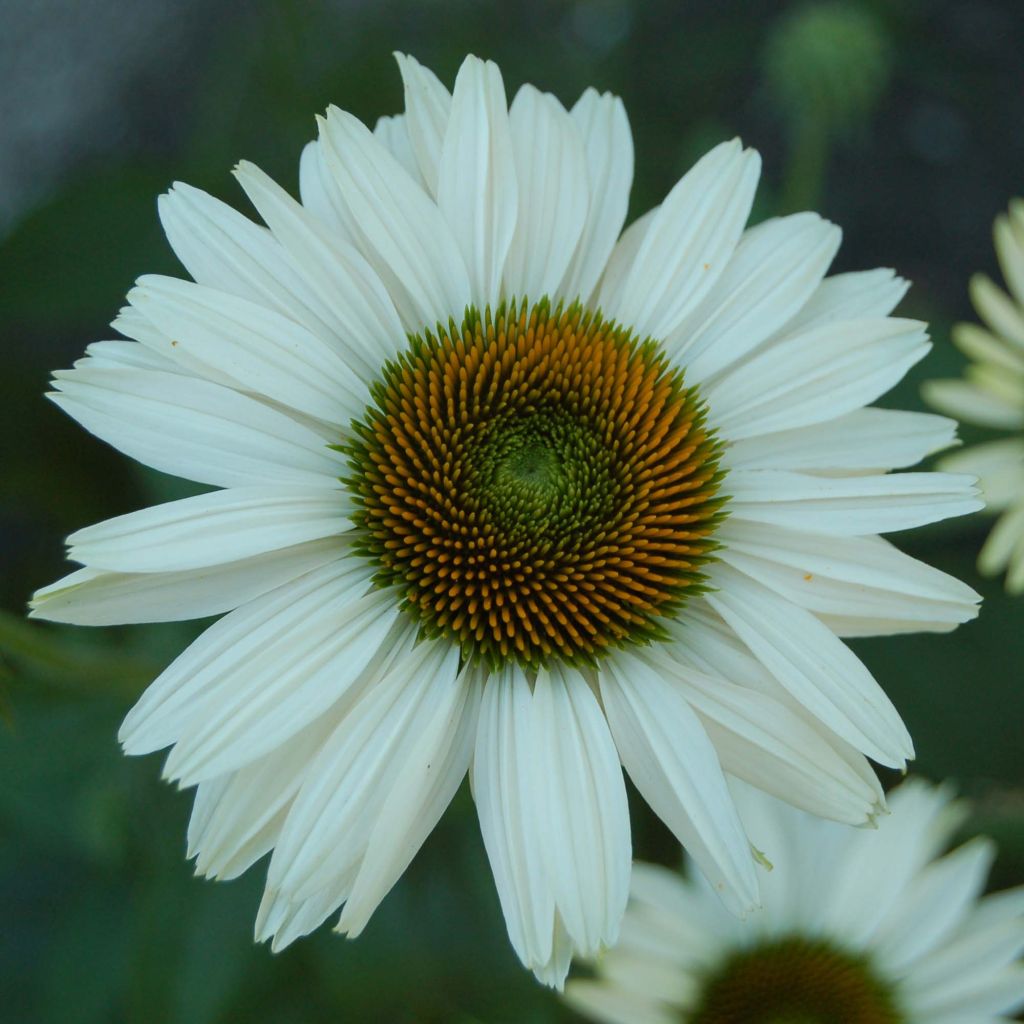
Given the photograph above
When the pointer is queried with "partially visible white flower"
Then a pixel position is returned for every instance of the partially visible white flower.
(866, 926)
(993, 396)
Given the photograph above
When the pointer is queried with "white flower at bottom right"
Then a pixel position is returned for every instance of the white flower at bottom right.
(856, 926)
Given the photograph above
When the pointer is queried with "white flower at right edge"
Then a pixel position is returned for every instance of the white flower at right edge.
(864, 926)
(993, 396)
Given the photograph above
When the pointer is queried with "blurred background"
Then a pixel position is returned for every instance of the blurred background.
(902, 121)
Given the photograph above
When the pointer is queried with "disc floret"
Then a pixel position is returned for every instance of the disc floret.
(538, 482)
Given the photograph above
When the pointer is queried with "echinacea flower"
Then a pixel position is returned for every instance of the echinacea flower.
(505, 492)
(857, 926)
(993, 396)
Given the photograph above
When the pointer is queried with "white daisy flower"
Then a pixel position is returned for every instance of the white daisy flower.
(866, 926)
(993, 396)
(477, 453)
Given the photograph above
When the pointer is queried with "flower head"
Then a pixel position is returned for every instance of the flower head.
(993, 396)
(506, 492)
(855, 927)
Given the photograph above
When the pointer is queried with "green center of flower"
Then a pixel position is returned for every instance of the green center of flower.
(795, 981)
(537, 482)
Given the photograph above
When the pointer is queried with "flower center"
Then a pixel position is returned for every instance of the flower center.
(539, 483)
(795, 981)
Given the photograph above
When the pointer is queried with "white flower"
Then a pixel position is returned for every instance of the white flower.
(500, 547)
(993, 396)
(866, 926)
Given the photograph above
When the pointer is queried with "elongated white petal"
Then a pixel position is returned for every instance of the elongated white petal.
(264, 352)
(216, 700)
(194, 429)
(850, 506)
(775, 268)
(815, 376)
(237, 817)
(673, 764)
(688, 243)
(857, 577)
(476, 188)
(374, 791)
(812, 664)
(361, 315)
(319, 193)
(435, 761)
(92, 597)
(608, 148)
(865, 439)
(997, 309)
(850, 296)
(211, 529)
(761, 741)
(583, 811)
(126, 355)
(224, 250)
(394, 136)
(968, 401)
(398, 228)
(504, 774)
(552, 206)
(927, 911)
(601, 1002)
(623, 255)
(428, 106)
(553, 813)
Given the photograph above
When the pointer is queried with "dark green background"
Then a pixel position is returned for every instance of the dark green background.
(904, 122)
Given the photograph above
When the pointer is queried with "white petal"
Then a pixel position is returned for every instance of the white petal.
(584, 818)
(688, 243)
(476, 187)
(319, 193)
(856, 505)
(194, 429)
(552, 206)
(673, 764)
(428, 106)
(399, 229)
(237, 817)
(878, 439)
(761, 741)
(608, 145)
(301, 646)
(968, 401)
(434, 761)
(815, 376)
(623, 255)
(775, 268)
(126, 355)
(598, 1001)
(997, 309)
(1008, 234)
(503, 773)
(394, 136)
(91, 597)
(386, 771)
(224, 250)
(925, 913)
(361, 314)
(264, 352)
(850, 296)
(812, 664)
(999, 465)
(211, 529)
(884, 862)
(1004, 542)
(859, 577)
